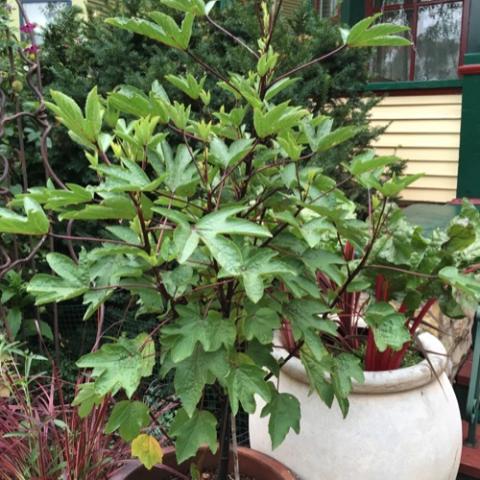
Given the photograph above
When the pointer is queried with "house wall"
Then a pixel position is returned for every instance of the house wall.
(15, 15)
(289, 6)
(425, 131)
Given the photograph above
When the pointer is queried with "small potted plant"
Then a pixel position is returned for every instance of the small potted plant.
(217, 224)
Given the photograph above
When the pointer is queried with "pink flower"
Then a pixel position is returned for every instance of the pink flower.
(28, 27)
(32, 49)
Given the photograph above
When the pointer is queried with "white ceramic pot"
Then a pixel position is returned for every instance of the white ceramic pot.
(403, 424)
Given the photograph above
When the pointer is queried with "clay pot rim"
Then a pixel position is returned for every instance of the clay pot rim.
(246, 454)
(389, 381)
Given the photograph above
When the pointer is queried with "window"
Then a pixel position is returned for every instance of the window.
(326, 8)
(42, 12)
(436, 31)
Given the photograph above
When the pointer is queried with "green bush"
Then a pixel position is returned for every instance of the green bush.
(79, 54)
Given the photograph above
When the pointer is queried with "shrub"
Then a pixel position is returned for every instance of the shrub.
(78, 55)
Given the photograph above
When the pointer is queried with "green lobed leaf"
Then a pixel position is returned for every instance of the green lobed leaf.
(464, 283)
(345, 368)
(260, 324)
(192, 327)
(193, 432)
(243, 383)
(128, 417)
(35, 223)
(121, 365)
(196, 371)
(224, 222)
(87, 398)
(284, 411)
(389, 327)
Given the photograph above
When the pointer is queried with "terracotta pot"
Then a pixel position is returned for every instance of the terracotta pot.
(253, 464)
(403, 424)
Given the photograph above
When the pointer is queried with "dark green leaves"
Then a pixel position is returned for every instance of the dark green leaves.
(113, 206)
(304, 315)
(211, 331)
(332, 376)
(260, 324)
(345, 368)
(128, 418)
(284, 411)
(225, 222)
(128, 177)
(461, 234)
(180, 169)
(243, 383)
(196, 371)
(252, 267)
(193, 432)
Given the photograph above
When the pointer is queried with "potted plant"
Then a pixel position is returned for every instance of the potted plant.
(41, 435)
(216, 224)
(403, 399)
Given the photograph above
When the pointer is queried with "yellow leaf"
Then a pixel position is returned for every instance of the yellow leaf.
(147, 449)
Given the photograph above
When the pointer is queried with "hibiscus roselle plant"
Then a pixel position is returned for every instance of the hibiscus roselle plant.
(223, 226)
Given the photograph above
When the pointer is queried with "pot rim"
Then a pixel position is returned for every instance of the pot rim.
(388, 381)
(261, 460)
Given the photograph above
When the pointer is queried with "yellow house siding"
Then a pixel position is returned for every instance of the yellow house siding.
(14, 15)
(425, 131)
(289, 6)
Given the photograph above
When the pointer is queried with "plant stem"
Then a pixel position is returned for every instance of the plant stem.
(222, 473)
(308, 64)
(236, 466)
(232, 36)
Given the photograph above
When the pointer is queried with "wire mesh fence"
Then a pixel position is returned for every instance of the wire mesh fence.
(78, 337)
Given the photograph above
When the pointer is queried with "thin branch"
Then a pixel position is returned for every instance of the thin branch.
(93, 239)
(230, 170)
(211, 285)
(184, 132)
(232, 36)
(295, 70)
(401, 270)
(27, 259)
(211, 70)
(364, 259)
(123, 286)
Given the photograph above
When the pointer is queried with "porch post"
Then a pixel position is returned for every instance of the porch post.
(469, 162)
